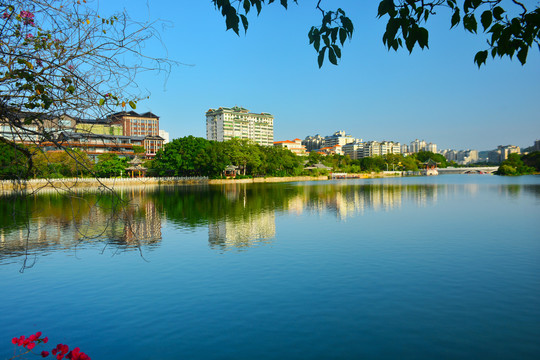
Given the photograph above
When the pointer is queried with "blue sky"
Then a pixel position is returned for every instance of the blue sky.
(438, 95)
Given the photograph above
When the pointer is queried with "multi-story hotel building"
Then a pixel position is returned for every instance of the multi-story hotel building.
(117, 134)
(140, 125)
(227, 123)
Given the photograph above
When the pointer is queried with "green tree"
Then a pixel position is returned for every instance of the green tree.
(186, 156)
(110, 165)
(532, 160)
(514, 166)
(508, 32)
(217, 159)
(243, 153)
(62, 58)
(409, 163)
(13, 162)
(375, 163)
(281, 162)
(423, 156)
(314, 158)
(138, 150)
(55, 164)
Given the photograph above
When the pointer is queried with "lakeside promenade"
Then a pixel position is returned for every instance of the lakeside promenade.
(75, 184)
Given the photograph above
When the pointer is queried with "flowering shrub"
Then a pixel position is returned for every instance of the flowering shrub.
(61, 351)
(27, 17)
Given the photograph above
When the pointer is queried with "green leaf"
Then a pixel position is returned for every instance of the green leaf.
(317, 43)
(259, 7)
(385, 7)
(244, 22)
(347, 24)
(334, 35)
(247, 6)
(342, 35)
(320, 58)
(232, 20)
(423, 36)
(466, 6)
(326, 39)
(332, 56)
(409, 42)
(497, 13)
(486, 19)
(101, 102)
(522, 55)
(132, 104)
(480, 57)
(337, 50)
(469, 23)
(71, 89)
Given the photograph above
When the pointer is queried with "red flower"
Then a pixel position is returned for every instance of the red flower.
(45, 340)
(38, 334)
(44, 353)
(31, 346)
(32, 337)
(15, 340)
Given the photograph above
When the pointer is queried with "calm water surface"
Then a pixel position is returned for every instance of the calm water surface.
(418, 268)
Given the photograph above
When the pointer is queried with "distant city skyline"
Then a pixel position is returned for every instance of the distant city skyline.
(438, 94)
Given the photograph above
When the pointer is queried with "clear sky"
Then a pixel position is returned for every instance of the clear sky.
(438, 94)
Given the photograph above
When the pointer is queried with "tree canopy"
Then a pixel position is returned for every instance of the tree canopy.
(62, 58)
(508, 26)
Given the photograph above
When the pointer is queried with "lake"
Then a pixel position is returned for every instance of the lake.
(418, 268)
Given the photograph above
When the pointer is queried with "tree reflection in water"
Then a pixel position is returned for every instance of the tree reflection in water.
(237, 216)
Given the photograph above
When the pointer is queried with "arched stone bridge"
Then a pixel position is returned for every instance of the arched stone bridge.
(468, 170)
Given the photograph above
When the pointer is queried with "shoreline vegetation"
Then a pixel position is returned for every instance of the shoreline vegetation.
(242, 159)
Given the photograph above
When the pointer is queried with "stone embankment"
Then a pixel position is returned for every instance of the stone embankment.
(73, 184)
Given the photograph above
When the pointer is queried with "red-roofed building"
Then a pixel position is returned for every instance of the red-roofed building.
(330, 150)
(293, 145)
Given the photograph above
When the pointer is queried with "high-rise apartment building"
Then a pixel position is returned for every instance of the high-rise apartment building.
(338, 138)
(354, 150)
(313, 142)
(227, 123)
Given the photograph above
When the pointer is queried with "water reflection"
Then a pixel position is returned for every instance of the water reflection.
(40, 224)
(236, 216)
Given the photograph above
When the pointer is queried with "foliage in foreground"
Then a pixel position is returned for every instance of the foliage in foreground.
(508, 32)
(63, 58)
(60, 351)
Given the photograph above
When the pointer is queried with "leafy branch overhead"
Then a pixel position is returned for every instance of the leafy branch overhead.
(509, 31)
(327, 38)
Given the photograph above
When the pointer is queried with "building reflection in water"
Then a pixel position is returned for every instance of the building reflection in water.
(251, 230)
(61, 222)
(352, 200)
(237, 216)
